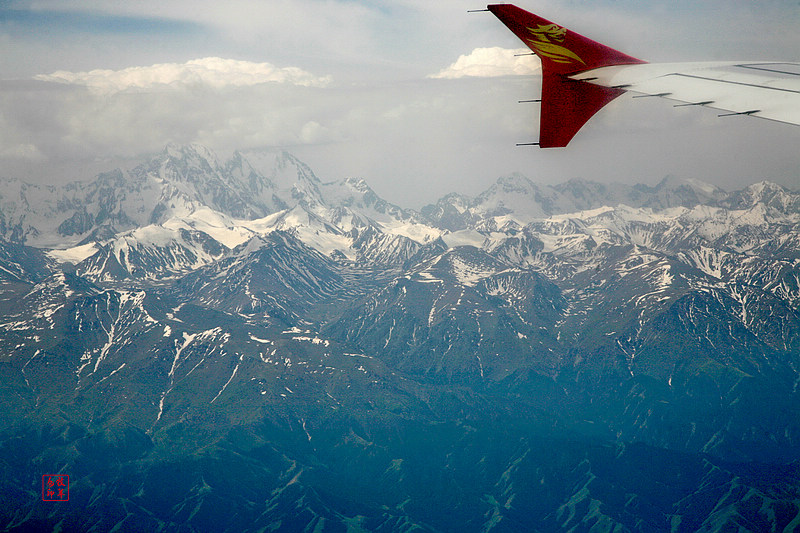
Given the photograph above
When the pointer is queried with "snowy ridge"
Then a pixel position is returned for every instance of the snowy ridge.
(185, 209)
(262, 233)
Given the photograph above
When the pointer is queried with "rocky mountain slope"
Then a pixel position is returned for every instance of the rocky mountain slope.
(237, 345)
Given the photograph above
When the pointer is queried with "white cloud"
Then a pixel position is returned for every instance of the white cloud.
(21, 151)
(313, 132)
(412, 139)
(491, 62)
(213, 72)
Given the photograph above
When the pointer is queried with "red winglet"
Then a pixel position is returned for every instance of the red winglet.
(566, 104)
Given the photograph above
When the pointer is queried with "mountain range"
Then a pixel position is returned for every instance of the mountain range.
(206, 345)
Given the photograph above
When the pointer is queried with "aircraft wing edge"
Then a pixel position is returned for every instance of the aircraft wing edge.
(736, 87)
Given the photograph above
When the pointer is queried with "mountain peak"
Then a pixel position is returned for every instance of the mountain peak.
(357, 184)
(767, 193)
(702, 189)
(513, 195)
(763, 186)
(516, 182)
(286, 160)
(191, 152)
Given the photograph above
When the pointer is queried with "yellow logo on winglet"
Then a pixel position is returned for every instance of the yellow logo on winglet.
(542, 42)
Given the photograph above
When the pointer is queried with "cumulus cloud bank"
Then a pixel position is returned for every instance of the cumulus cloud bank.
(213, 72)
(491, 62)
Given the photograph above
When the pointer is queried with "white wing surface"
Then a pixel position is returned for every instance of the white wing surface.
(759, 89)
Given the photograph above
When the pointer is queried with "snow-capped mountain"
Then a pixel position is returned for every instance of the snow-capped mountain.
(176, 183)
(516, 200)
(193, 335)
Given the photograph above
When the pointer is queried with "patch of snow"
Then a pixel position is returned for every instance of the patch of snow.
(313, 340)
(582, 215)
(427, 277)
(465, 237)
(416, 232)
(357, 355)
(236, 369)
(73, 255)
(469, 274)
(702, 186)
(217, 225)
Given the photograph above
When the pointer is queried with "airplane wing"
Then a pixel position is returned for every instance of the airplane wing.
(580, 76)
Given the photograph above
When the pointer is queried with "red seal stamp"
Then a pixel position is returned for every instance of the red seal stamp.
(55, 488)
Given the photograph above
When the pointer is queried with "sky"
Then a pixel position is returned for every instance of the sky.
(419, 98)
